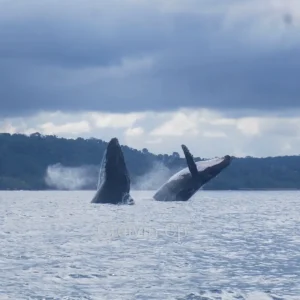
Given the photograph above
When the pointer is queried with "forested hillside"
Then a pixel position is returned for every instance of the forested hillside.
(39, 162)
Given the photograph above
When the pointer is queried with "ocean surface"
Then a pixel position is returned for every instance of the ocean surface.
(221, 245)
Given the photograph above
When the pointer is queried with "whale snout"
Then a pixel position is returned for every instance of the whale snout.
(228, 157)
(113, 151)
(113, 145)
(114, 141)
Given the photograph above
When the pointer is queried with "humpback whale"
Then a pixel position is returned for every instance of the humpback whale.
(114, 180)
(185, 183)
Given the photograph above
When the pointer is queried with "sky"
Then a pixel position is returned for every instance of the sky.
(218, 76)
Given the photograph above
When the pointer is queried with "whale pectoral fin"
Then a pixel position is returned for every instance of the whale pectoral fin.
(190, 160)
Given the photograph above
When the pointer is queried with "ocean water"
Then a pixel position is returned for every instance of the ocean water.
(221, 245)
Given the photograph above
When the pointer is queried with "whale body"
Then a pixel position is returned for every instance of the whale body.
(185, 183)
(114, 180)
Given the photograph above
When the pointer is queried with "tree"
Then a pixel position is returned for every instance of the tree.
(24, 161)
(145, 151)
(176, 154)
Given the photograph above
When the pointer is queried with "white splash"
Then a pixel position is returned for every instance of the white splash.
(159, 173)
(102, 174)
(68, 178)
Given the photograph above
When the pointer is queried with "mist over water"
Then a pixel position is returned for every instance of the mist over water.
(69, 178)
(154, 178)
(75, 178)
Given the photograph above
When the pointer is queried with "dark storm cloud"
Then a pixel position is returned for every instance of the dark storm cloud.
(90, 55)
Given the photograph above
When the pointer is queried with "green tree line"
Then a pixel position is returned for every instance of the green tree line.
(24, 161)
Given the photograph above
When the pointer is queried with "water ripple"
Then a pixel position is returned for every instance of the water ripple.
(219, 245)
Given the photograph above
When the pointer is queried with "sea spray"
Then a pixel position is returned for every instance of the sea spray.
(154, 178)
(69, 178)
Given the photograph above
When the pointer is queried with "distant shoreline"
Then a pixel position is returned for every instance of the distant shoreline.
(40, 163)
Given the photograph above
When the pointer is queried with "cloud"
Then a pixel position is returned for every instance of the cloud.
(69, 128)
(249, 126)
(136, 131)
(214, 134)
(102, 120)
(178, 125)
(219, 76)
(207, 133)
(136, 56)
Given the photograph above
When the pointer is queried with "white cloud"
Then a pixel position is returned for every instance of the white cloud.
(8, 128)
(286, 147)
(206, 133)
(248, 126)
(268, 22)
(68, 129)
(106, 120)
(214, 134)
(155, 141)
(180, 124)
(136, 131)
(222, 121)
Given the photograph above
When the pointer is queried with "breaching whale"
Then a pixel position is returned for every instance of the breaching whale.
(185, 183)
(114, 180)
